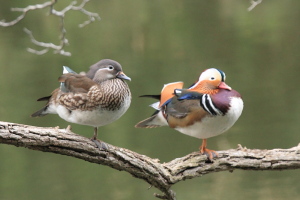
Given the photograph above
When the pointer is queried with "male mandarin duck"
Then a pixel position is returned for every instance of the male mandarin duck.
(206, 109)
(98, 98)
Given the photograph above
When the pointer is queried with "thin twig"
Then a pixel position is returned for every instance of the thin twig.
(47, 46)
(59, 49)
(254, 3)
(41, 52)
(24, 12)
(92, 16)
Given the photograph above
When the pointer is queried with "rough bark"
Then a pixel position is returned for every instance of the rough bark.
(159, 175)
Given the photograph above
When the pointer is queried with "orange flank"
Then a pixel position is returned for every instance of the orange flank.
(168, 91)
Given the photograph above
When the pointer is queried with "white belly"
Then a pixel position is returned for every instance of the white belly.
(215, 125)
(95, 118)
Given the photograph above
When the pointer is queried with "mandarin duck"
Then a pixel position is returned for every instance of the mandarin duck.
(206, 109)
(96, 99)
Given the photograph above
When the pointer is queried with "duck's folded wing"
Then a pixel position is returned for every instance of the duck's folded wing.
(183, 104)
(185, 109)
(75, 83)
(76, 91)
(168, 92)
(196, 100)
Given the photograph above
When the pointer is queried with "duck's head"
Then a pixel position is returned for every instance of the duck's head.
(107, 69)
(210, 81)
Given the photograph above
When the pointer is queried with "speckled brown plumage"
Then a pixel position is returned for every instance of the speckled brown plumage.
(108, 95)
(98, 98)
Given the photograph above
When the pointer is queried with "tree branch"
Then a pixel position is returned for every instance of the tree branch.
(25, 11)
(254, 3)
(159, 175)
(59, 49)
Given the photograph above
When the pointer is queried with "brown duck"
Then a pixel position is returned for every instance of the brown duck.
(98, 98)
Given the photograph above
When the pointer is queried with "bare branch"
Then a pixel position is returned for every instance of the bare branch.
(41, 52)
(159, 175)
(92, 16)
(59, 49)
(254, 3)
(24, 12)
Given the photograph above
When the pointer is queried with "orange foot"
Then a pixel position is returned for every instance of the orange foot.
(211, 154)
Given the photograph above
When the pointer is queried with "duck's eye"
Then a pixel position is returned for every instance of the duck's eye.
(110, 67)
(212, 78)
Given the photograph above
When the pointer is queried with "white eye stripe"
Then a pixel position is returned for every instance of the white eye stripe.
(109, 68)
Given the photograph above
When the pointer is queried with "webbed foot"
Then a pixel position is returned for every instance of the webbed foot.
(100, 144)
(211, 154)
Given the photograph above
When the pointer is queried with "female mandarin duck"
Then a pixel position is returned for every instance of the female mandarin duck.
(206, 109)
(98, 98)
